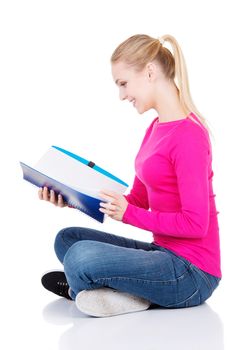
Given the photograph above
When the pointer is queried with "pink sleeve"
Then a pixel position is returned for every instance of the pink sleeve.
(190, 157)
(138, 194)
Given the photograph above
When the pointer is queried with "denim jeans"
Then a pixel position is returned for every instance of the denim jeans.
(94, 259)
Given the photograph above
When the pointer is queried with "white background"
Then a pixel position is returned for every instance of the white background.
(56, 88)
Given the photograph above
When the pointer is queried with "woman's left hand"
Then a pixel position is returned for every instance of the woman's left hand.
(116, 206)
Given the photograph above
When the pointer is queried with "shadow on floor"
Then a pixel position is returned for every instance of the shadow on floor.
(197, 328)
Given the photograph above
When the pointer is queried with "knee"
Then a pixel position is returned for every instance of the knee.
(83, 259)
(64, 237)
(59, 241)
(63, 240)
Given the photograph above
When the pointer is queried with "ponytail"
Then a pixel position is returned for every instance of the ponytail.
(181, 80)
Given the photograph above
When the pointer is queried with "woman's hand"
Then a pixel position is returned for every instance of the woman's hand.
(50, 196)
(116, 206)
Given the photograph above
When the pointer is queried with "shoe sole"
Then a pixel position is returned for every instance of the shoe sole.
(105, 302)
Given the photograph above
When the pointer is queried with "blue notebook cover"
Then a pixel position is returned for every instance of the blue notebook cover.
(86, 204)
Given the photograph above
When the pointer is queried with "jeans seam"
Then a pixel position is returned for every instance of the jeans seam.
(185, 301)
(67, 243)
(204, 278)
(103, 279)
(197, 290)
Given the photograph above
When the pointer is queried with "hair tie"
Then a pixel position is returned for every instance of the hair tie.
(161, 40)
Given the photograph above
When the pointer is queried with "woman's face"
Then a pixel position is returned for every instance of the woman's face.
(134, 86)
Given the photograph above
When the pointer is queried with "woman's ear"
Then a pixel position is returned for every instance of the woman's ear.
(152, 71)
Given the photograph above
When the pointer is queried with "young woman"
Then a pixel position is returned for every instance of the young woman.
(172, 196)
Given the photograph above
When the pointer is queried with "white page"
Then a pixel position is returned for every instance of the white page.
(75, 174)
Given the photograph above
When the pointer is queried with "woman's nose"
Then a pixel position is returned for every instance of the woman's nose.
(122, 95)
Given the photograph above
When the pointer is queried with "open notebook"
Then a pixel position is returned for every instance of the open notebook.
(79, 181)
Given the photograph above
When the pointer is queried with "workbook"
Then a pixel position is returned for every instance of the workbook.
(78, 181)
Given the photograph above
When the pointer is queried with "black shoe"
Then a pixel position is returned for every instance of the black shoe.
(56, 282)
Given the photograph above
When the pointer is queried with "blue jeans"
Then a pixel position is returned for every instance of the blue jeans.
(94, 259)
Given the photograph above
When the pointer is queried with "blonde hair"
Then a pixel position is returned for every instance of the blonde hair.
(140, 49)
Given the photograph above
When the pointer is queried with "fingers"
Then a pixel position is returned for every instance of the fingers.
(114, 206)
(108, 206)
(109, 195)
(60, 201)
(43, 194)
(40, 193)
(50, 196)
(112, 210)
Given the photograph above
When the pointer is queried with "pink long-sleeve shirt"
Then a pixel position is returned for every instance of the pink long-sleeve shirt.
(172, 194)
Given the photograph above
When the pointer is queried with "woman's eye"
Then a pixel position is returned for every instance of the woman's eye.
(123, 84)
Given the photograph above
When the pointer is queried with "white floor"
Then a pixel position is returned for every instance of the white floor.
(197, 328)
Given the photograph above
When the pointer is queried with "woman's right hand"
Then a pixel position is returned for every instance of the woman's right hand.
(50, 196)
